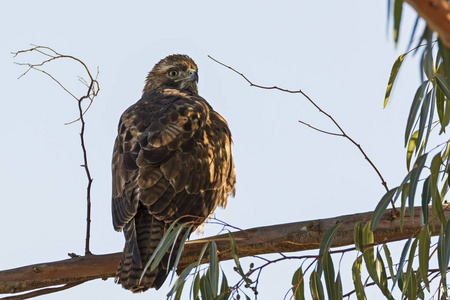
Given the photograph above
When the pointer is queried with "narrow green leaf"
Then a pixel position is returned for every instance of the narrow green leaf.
(181, 279)
(405, 194)
(414, 109)
(202, 253)
(381, 207)
(409, 270)
(412, 143)
(356, 274)
(214, 268)
(444, 248)
(427, 63)
(441, 256)
(235, 254)
(412, 286)
(395, 68)
(430, 118)
(381, 277)
(415, 173)
(328, 270)
(437, 207)
(420, 293)
(325, 245)
(180, 250)
(402, 261)
(205, 288)
(338, 285)
(368, 253)
(224, 288)
(196, 287)
(446, 256)
(401, 279)
(423, 116)
(424, 251)
(442, 82)
(298, 286)
(435, 168)
(387, 254)
(426, 198)
(441, 104)
(170, 241)
(316, 287)
(398, 5)
(157, 250)
(179, 291)
(445, 54)
(357, 237)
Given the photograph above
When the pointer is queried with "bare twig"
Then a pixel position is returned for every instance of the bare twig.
(320, 130)
(343, 134)
(43, 291)
(91, 93)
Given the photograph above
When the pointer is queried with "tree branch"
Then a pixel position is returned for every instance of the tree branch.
(437, 15)
(291, 237)
(92, 91)
(343, 133)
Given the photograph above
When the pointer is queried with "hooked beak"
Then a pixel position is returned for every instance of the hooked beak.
(193, 76)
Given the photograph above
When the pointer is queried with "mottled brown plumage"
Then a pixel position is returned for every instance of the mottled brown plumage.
(172, 158)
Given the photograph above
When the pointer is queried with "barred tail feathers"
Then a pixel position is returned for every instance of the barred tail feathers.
(142, 238)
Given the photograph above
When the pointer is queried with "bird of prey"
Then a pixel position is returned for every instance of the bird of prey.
(172, 158)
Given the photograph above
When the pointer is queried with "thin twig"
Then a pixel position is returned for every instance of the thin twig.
(91, 93)
(43, 291)
(343, 134)
(320, 130)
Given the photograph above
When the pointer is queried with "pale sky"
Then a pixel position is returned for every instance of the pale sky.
(339, 53)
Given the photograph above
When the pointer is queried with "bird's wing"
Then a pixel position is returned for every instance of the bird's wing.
(173, 154)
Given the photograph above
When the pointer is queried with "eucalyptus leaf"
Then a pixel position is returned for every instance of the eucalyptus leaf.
(387, 254)
(402, 261)
(414, 109)
(328, 270)
(412, 143)
(415, 174)
(357, 237)
(424, 250)
(298, 285)
(423, 116)
(381, 207)
(356, 274)
(426, 198)
(443, 84)
(368, 253)
(325, 245)
(316, 287)
(395, 68)
(398, 5)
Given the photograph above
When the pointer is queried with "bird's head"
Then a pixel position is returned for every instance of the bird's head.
(177, 71)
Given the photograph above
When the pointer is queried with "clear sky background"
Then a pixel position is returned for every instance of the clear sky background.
(339, 53)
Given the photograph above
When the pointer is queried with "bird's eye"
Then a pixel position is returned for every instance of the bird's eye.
(173, 73)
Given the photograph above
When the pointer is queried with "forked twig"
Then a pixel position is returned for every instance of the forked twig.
(342, 134)
(92, 91)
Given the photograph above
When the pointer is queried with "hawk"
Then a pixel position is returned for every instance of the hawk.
(172, 158)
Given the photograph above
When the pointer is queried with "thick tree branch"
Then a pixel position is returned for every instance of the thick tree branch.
(437, 15)
(289, 237)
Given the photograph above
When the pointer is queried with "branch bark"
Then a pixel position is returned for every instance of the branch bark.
(437, 15)
(291, 237)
